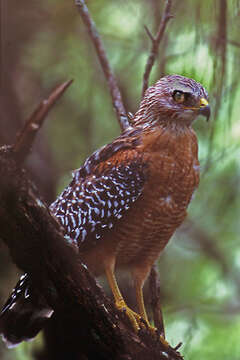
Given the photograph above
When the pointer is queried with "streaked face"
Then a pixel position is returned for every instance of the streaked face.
(176, 98)
(187, 97)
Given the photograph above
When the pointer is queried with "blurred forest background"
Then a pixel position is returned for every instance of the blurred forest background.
(44, 43)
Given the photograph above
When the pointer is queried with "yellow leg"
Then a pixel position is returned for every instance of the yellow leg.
(142, 310)
(135, 318)
(140, 303)
(119, 301)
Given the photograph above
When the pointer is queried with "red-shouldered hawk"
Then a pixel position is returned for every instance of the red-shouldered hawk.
(126, 201)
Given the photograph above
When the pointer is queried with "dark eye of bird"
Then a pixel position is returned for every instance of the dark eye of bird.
(179, 96)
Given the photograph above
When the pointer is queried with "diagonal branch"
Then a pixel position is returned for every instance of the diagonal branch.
(102, 56)
(154, 285)
(26, 137)
(219, 76)
(155, 44)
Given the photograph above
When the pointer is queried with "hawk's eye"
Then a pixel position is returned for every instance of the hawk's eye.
(178, 96)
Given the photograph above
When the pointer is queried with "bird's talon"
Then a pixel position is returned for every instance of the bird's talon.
(163, 341)
(139, 323)
(134, 318)
(144, 322)
(156, 333)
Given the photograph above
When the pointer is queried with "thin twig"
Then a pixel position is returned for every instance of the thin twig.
(234, 43)
(154, 286)
(25, 138)
(154, 281)
(155, 44)
(220, 65)
(108, 72)
(149, 33)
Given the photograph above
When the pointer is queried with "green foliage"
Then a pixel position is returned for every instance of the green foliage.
(200, 289)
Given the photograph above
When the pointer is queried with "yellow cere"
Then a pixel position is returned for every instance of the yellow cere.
(203, 102)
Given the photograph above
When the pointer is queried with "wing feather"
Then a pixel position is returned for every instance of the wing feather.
(92, 204)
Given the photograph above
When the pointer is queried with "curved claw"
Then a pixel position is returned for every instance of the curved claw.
(134, 318)
(137, 321)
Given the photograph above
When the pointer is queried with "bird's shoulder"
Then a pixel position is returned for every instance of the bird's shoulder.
(122, 147)
(102, 190)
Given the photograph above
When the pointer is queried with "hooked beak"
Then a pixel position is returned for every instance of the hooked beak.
(204, 108)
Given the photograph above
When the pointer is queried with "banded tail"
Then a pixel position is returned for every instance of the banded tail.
(24, 314)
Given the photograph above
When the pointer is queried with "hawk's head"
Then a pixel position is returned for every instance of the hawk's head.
(173, 98)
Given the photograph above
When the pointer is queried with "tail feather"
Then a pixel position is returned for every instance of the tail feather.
(23, 315)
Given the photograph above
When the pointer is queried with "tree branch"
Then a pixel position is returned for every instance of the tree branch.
(155, 44)
(233, 42)
(219, 75)
(154, 286)
(102, 56)
(26, 136)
